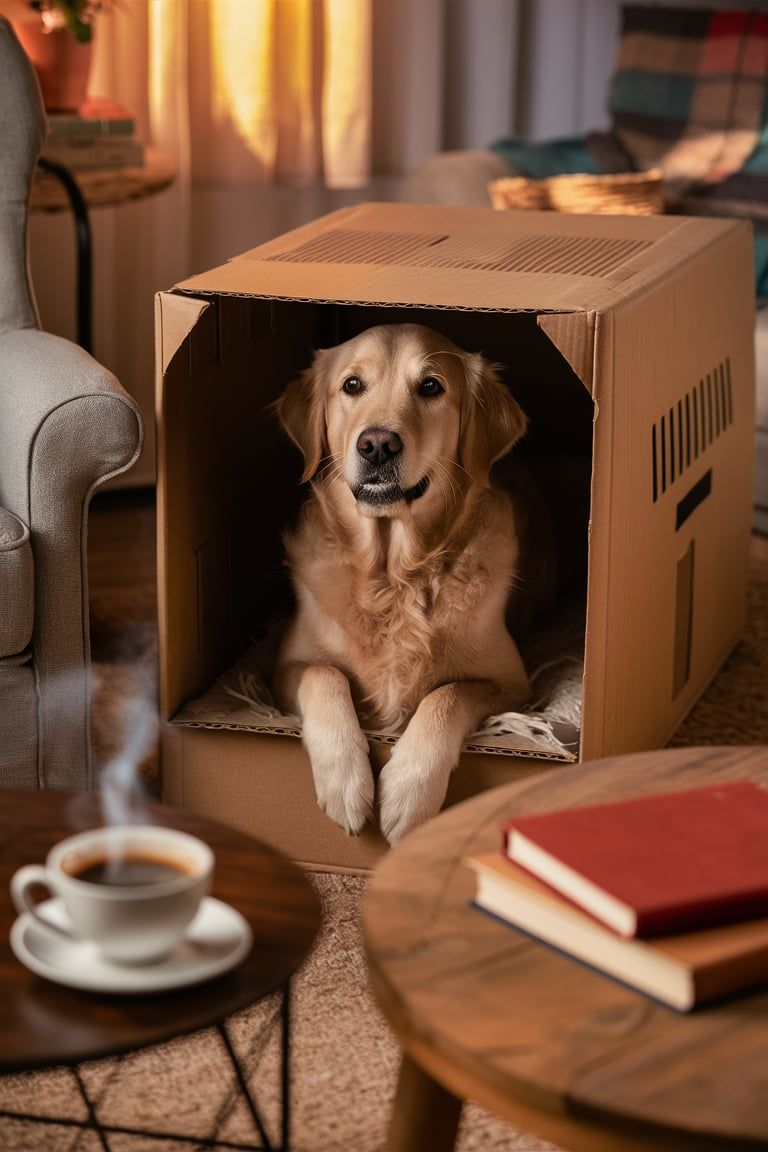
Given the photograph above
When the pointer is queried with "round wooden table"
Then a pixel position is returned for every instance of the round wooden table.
(43, 1024)
(105, 187)
(487, 1014)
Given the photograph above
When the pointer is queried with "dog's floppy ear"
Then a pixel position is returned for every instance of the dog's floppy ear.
(491, 420)
(301, 409)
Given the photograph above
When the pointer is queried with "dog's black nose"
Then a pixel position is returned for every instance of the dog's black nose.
(377, 445)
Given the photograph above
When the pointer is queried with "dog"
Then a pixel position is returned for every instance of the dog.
(404, 562)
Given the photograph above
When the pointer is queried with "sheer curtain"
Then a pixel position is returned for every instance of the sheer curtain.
(277, 111)
(246, 90)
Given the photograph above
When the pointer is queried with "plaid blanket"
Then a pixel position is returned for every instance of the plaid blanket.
(689, 95)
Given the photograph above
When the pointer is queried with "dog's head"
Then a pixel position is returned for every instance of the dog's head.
(401, 415)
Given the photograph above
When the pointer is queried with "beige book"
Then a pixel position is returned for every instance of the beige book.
(681, 971)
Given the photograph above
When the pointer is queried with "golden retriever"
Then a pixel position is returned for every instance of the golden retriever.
(403, 563)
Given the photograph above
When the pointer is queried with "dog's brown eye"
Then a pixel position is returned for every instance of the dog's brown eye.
(430, 387)
(352, 385)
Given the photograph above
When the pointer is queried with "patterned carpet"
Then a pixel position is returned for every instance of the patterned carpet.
(344, 1058)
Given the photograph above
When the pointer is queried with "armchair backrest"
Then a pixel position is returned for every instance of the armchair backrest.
(22, 132)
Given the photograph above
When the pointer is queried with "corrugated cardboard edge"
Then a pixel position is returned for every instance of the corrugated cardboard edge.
(377, 737)
(175, 317)
(573, 334)
(594, 690)
(172, 326)
(306, 298)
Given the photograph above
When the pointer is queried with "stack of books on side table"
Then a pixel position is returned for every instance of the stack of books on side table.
(667, 893)
(100, 134)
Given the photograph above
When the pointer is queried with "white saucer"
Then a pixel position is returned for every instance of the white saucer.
(216, 940)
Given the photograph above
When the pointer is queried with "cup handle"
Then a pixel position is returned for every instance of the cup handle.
(21, 882)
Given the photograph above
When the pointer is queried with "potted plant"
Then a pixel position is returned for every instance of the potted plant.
(73, 16)
(57, 35)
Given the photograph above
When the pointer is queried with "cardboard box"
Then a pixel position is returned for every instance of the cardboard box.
(628, 340)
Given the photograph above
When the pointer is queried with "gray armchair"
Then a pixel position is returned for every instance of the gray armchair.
(66, 426)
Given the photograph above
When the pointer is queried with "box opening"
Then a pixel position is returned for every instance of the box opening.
(231, 504)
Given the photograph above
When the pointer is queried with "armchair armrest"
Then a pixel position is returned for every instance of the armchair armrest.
(66, 426)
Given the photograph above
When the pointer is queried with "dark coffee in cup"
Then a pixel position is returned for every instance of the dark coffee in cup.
(130, 870)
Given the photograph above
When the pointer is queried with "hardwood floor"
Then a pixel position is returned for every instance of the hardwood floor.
(121, 542)
(122, 575)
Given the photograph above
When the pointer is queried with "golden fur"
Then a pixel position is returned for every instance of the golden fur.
(403, 562)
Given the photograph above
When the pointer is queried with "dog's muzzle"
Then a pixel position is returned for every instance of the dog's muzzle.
(379, 452)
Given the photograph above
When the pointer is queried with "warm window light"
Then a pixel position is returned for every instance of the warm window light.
(167, 80)
(242, 67)
(297, 152)
(263, 85)
(347, 91)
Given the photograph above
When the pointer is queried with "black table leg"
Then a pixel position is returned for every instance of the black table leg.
(93, 1124)
(285, 1076)
(285, 1067)
(93, 1121)
(84, 248)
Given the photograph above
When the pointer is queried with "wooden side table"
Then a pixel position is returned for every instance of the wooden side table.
(43, 1024)
(486, 1013)
(56, 189)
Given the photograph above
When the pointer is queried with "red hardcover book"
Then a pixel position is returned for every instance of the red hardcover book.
(655, 864)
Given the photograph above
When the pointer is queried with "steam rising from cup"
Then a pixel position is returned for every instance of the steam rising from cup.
(121, 790)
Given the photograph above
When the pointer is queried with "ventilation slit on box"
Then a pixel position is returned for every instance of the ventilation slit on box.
(689, 427)
(693, 497)
(671, 445)
(655, 464)
(683, 621)
(687, 430)
(681, 462)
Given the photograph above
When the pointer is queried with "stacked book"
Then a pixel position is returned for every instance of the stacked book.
(100, 134)
(667, 893)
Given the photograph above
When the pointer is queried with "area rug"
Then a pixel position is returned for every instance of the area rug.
(345, 1058)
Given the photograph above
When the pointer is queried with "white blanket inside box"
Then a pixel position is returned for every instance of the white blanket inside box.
(628, 344)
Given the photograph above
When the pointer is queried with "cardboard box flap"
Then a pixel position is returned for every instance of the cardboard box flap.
(174, 323)
(574, 336)
(436, 256)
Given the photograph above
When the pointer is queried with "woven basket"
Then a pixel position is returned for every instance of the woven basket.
(633, 193)
(520, 193)
(623, 193)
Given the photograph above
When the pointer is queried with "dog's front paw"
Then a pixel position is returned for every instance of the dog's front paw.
(412, 788)
(342, 775)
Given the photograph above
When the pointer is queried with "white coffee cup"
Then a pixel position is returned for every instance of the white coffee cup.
(131, 890)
